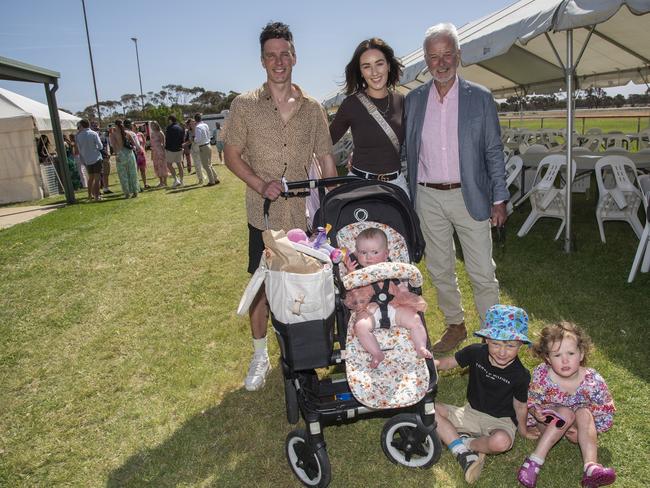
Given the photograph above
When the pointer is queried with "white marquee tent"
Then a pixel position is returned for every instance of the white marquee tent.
(22, 120)
(516, 49)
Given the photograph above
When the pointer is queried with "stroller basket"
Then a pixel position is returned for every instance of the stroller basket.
(306, 345)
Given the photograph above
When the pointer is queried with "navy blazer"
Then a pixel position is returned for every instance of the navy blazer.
(482, 168)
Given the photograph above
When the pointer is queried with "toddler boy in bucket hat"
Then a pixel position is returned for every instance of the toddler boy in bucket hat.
(497, 392)
(505, 323)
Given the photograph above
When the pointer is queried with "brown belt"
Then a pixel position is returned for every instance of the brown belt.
(440, 186)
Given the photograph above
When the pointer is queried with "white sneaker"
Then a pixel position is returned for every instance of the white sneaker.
(257, 371)
(176, 183)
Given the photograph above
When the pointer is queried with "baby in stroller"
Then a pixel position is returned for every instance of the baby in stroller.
(400, 308)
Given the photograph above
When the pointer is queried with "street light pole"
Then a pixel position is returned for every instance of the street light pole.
(137, 57)
(92, 65)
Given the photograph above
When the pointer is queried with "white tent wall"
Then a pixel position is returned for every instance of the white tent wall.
(22, 120)
(20, 173)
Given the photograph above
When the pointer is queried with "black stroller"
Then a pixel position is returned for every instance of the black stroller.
(408, 437)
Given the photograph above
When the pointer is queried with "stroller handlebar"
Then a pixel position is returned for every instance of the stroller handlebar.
(301, 188)
(311, 184)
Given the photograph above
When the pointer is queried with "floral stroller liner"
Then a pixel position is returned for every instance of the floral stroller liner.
(402, 378)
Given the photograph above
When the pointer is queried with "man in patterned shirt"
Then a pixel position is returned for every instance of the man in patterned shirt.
(273, 131)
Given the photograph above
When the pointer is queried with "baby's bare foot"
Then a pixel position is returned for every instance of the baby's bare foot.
(423, 352)
(376, 359)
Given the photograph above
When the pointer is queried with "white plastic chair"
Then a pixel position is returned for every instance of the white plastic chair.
(644, 139)
(533, 149)
(614, 139)
(616, 150)
(546, 199)
(622, 200)
(513, 170)
(643, 250)
(592, 143)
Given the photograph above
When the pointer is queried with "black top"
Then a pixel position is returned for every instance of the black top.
(174, 135)
(373, 150)
(491, 390)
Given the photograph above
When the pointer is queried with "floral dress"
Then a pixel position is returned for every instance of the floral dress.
(158, 154)
(592, 393)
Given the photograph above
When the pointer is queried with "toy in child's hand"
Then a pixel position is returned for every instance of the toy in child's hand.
(351, 262)
(552, 417)
(318, 242)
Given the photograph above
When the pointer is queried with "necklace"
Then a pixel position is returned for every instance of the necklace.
(384, 112)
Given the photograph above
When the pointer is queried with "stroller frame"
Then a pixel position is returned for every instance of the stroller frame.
(409, 435)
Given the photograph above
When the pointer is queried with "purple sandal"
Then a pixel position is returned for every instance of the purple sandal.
(528, 472)
(600, 476)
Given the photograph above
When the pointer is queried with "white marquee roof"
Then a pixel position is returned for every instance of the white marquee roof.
(13, 105)
(508, 51)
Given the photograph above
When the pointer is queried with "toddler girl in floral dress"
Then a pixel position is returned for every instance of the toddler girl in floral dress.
(565, 398)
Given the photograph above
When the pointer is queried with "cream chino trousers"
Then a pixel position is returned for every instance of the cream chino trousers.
(201, 157)
(441, 212)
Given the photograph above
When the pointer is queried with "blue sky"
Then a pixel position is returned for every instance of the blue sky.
(212, 44)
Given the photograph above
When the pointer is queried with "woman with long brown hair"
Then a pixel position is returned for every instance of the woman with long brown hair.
(374, 112)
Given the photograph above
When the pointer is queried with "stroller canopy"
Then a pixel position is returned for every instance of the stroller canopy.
(376, 201)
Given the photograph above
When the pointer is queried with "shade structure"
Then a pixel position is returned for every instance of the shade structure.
(515, 50)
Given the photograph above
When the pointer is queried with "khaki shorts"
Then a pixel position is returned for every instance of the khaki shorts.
(466, 419)
(173, 156)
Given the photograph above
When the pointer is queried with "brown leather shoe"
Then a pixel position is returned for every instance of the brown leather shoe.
(452, 337)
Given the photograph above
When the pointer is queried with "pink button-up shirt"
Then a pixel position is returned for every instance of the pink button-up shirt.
(439, 160)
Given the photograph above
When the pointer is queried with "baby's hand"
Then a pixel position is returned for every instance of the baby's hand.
(350, 264)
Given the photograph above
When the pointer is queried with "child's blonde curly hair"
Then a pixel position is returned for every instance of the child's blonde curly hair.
(552, 334)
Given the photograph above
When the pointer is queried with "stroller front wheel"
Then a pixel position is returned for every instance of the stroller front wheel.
(311, 467)
(403, 443)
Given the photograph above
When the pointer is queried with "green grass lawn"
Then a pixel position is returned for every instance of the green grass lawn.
(123, 359)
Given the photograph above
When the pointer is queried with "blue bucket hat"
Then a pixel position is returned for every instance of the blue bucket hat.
(505, 323)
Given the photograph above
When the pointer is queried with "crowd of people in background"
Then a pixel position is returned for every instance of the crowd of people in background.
(91, 148)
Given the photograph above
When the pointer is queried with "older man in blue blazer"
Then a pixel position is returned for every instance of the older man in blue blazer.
(456, 176)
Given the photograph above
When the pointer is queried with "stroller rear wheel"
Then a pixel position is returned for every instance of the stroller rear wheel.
(403, 442)
(291, 402)
(311, 467)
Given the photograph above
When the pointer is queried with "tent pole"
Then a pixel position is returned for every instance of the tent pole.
(570, 69)
(58, 140)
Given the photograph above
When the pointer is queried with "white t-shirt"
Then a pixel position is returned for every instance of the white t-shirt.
(202, 134)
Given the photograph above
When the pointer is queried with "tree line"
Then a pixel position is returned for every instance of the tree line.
(587, 98)
(171, 99)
